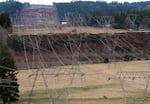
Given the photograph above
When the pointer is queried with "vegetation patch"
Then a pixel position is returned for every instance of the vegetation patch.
(93, 87)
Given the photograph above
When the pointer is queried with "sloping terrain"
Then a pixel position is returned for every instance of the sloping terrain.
(58, 49)
(96, 60)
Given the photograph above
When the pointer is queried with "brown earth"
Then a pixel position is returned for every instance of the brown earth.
(61, 48)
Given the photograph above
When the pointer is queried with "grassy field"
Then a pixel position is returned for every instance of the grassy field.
(90, 85)
(65, 29)
(92, 88)
(78, 101)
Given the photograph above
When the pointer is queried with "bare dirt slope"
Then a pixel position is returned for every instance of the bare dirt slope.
(94, 48)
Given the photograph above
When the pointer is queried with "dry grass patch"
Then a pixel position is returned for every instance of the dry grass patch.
(46, 30)
(94, 83)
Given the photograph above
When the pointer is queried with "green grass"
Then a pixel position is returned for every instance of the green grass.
(41, 93)
(93, 87)
(96, 101)
(78, 101)
(138, 95)
(40, 97)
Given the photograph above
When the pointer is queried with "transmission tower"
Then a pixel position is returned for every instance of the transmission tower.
(103, 21)
(131, 21)
(55, 97)
(74, 19)
(133, 75)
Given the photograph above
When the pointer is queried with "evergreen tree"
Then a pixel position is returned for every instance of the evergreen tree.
(119, 20)
(5, 21)
(92, 20)
(9, 88)
(145, 24)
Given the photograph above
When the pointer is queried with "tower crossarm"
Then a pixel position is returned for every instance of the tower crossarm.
(131, 75)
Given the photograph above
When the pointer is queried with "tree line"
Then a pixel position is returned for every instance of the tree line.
(9, 87)
(123, 15)
(10, 7)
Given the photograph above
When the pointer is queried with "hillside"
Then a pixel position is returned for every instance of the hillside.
(86, 8)
(81, 13)
(58, 49)
(10, 7)
(102, 14)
